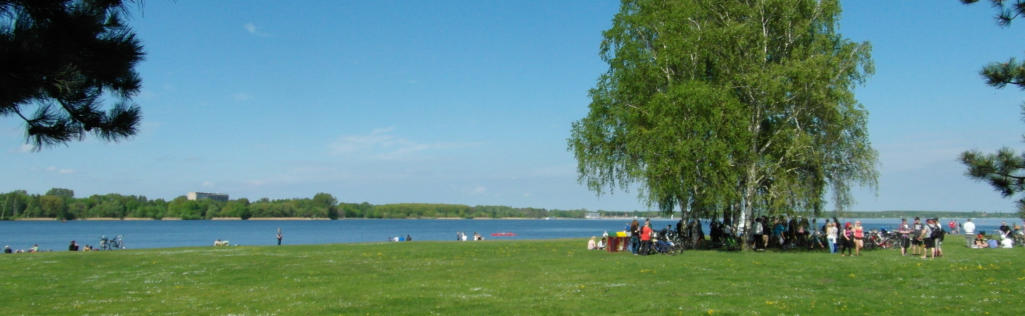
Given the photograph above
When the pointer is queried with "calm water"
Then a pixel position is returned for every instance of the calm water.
(54, 235)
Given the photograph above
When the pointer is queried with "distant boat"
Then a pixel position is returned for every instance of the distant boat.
(503, 234)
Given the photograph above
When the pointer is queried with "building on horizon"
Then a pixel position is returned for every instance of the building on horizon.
(192, 196)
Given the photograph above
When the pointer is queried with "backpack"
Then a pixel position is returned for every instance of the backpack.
(937, 233)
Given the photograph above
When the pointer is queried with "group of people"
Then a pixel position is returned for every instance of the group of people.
(400, 238)
(923, 239)
(460, 236)
(594, 244)
(34, 249)
(850, 240)
(784, 234)
(642, 238)
(73, 246)
(1008, 237)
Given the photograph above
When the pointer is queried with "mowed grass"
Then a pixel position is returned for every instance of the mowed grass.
(506, 277)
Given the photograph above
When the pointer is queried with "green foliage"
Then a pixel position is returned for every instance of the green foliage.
(61, 59)
(63, 193)
(19, 204)
(1007, 10)
(508, 278)
(730, 109)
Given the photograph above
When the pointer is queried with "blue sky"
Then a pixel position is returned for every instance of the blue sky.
(471, 102)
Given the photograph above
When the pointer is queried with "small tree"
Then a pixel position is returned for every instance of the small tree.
(728, 109)
(328, 202)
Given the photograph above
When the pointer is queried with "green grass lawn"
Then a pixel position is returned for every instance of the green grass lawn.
(507, 277)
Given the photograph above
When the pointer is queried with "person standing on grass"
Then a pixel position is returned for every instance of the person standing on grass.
(756, 239)
(859, 238)
(646, 237)
(927, 240)
(905, 236)
(916, 237)
(938, 235)
(969, 232)
(777, 232)
(635, 237)
(847, 239)
(831, 236)
(279, 236)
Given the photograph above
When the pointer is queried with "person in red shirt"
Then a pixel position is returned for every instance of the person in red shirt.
(646, 237)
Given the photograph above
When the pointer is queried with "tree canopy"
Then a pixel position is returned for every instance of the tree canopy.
(728, 108)
(62, 61)
(1004, 170)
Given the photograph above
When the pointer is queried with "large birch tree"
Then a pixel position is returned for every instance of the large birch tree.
(728, 108)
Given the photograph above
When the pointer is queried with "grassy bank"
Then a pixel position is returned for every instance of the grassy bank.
(496, 277)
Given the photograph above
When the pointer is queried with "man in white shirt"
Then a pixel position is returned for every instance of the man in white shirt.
(969, 232)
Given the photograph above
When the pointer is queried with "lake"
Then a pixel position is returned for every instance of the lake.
(55, 235)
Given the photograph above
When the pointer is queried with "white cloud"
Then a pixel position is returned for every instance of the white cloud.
(59, 170)
(254, 30)
(381, 144)
(207, 184)
(25, 148)
(479, 189)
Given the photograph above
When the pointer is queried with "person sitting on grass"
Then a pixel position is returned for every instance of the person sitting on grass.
(1006, 243)
(980, 241)
(591, 245)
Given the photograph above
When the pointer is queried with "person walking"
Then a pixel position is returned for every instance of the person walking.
(969, 232)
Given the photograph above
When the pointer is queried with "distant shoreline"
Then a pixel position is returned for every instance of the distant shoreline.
(850, 214)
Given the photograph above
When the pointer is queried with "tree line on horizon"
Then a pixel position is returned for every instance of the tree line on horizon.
(60, 203)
